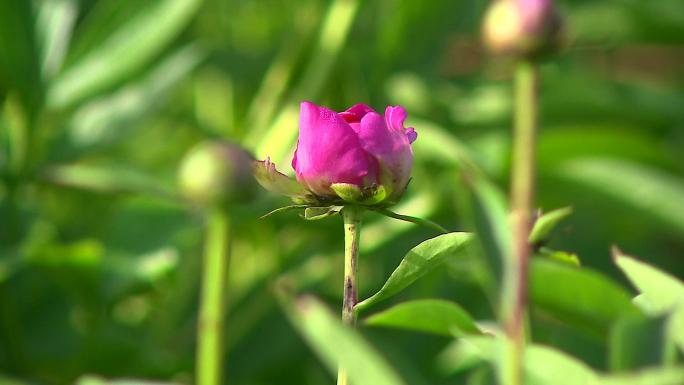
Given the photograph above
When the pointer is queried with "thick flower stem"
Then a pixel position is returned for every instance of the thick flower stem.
(522, 196)
(352, 233)
(213, 299)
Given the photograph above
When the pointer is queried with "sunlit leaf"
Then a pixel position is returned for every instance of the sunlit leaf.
(55, 21)
(110, 117)
(126, 49)
(660, 291)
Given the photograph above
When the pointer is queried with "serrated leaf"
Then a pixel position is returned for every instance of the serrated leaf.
(583, 298)
(418, 262)
(547, 222)
(659, 290)
(434, 316)
(337, 344)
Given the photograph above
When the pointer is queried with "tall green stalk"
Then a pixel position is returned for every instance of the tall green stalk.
(352, 233)
(213, 299)
(522, 197)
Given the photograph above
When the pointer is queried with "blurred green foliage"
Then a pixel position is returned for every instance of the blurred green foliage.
(100, 100)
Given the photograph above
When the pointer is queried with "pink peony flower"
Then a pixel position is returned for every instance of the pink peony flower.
(357, 155)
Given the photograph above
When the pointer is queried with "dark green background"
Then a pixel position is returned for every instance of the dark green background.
(99, 257)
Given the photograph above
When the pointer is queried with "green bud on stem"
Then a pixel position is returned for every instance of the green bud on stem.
(217, 173)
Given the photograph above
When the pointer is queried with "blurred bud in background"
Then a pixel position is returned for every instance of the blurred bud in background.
(526, 28)
(217, 173)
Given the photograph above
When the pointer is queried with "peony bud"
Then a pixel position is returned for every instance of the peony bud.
(527, 28)
(356, 156)
(217, 173)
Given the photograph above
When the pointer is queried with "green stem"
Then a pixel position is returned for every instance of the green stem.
(352, 233)
(522, 196)
(213, 299)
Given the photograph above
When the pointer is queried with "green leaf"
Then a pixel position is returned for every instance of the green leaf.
(637, 342)
(583, 298)
(659, 290)
(110, 117)
(106, 179)
(316, 213)
(96, 380)
(282, 209)
(648, 190)
(125, 50)
(543, 365)
(418, 262)
(19, 61)
(337, 344)
(547, 222)
(659, 376)
(560, 256)
(416, 220)
(428, 315)
(490, 219)
(276, 182)
(377, 194)
(54, 24)
(348, 192)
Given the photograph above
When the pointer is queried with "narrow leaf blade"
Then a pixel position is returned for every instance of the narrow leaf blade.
(337, 344)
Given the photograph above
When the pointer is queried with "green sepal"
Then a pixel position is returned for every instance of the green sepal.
(416, 220)
(368, 196)
(316, 213)
(272, 180)
(376, 195)
(282, 209)
(348, 192)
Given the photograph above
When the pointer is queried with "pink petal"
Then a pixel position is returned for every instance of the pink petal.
(328, 151)
(390, 146)
(355, 113)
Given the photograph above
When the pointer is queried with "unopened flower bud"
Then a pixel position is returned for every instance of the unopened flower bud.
(217, 173)
(526, 28)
